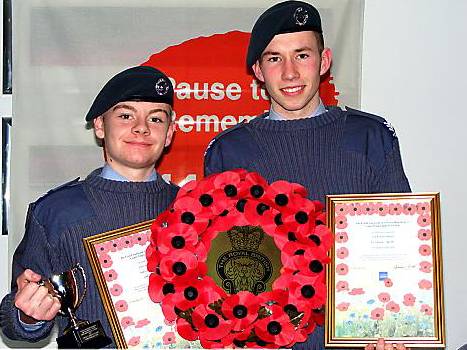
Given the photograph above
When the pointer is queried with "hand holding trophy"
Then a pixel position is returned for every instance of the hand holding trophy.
(60, 295)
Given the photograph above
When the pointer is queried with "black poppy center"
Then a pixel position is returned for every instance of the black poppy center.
(211, 321)
(178, 242)
(301, 217)
(281, 199)
(240, 311)
(239, 343)
(179, 268)
(290, 308)
(307, 291)
(256, 191)
(315, 266)
(230, 190)
(291, 237)
(315, 239)
(278, 219)
(168, 288)
(241, 205)
(205, 200)
(190, 293)
(261, 208)
(274, 327)
(188, 218)
(299, 252)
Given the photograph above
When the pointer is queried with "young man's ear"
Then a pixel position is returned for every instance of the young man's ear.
(99, 127)
(257, 70)
(326, 59)
(170, 134)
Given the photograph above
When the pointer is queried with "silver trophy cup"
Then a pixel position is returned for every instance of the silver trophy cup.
(78, 333)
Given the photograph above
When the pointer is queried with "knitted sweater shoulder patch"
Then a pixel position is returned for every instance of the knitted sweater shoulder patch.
(370, 135)
(61, 206)
(225, 148)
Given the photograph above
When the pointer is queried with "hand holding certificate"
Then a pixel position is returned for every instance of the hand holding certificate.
(385, 277)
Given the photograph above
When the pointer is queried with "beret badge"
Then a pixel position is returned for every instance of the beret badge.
(162, 86)
(301, 16)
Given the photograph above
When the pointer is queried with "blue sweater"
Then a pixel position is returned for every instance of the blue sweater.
(336, 152)
(55, 227)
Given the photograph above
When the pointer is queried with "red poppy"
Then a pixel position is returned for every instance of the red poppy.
(158, 287)
(377, 314)
(211, 326)
(342, 209)
(241, 308)
(341, 222)
(185, 330)
(342, 237)
(424, 250)
(424, 235)
(425, 266)
(424, 220)
(275, 328)
(423, 208)
(393, 306)
(179, 263)
(311, 289)
(395, 209)
(177, 236)
(230, 182)
(409, 299)
(384, 297)
(196, 291)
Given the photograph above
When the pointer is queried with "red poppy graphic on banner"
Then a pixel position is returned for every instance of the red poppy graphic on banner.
(213, 91)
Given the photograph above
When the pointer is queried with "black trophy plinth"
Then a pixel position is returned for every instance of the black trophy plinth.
(84, 336)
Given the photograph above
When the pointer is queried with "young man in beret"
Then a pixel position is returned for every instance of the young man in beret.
(132, 115)
(326, 149)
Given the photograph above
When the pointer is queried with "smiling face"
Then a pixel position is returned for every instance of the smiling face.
(135, 134)
(291, 67)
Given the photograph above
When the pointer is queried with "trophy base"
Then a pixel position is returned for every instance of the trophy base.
(90, 336)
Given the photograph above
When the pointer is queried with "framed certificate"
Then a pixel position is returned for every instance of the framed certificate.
(385, 276)
(118, 261)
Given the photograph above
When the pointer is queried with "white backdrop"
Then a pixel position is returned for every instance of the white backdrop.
(414, 73)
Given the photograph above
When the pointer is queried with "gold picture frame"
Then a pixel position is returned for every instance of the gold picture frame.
(118, 262)
(385, 279)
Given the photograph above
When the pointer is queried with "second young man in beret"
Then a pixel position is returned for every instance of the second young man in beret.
(326, 149)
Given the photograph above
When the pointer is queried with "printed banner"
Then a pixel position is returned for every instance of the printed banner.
(65, 51)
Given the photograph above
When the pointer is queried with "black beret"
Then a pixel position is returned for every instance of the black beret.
(140, 83)
(284, 17)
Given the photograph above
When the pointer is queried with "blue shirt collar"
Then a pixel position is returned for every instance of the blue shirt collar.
(110, 174)
(273, 115)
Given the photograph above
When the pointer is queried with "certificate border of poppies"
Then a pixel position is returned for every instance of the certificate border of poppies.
(430, 232)
(91, 245)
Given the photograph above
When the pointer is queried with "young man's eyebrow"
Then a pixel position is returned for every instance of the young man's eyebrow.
(122, 105)
(133, 109)
(155, 110)
(275, 53)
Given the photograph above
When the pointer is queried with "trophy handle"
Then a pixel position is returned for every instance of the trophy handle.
(79, 268)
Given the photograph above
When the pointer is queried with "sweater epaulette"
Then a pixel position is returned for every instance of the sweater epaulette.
(58, 188)
(373, 117)
(225, 132)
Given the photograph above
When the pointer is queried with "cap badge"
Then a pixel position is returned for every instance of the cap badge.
(301, 16)
(162, 86)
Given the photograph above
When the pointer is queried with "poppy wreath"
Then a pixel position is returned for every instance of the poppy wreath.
(180, 243)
